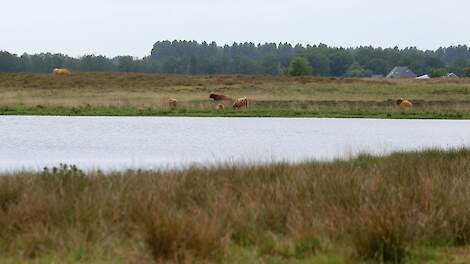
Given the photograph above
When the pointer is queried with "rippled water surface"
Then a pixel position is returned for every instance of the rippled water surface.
(116, 143)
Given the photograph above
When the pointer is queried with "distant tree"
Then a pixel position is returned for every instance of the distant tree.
(438, 72)
(271, 65)
(285, 53)
(92, 63)
(357, 70)
(193, 65)
(169, 66)
(299, 66)
(378, 66)
(249, 66)
(9, 62)
(129, 64)
(319, 62)
(340, 61)
(433, 62)
(458, 66)
(466, 72)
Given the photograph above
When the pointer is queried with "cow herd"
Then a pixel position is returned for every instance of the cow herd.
(243, 102)
(237, 104)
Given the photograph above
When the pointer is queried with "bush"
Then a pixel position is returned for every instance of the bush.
(10, 195)
(438, 72)
(299, 66)
(65, 179)
(466, 72)
(381, 238)
(356, 70)
(180, 236)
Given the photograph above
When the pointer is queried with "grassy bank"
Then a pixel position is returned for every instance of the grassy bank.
(146, 94)
(251, 112)
(403, 208)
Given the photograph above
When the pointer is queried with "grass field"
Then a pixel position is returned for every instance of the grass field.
(403, 208)
(146, 94)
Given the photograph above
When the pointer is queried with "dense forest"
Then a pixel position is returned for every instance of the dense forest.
(191, 57)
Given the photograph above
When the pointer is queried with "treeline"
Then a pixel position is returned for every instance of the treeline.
(191, 57)
(45, 62)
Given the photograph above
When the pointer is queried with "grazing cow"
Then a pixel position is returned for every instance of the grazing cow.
(61, 72)
(404, 103)
(240, 102)
(219, 97)
(220, 107)
(172, 102)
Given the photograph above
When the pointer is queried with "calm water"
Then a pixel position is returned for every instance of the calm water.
(117, 143)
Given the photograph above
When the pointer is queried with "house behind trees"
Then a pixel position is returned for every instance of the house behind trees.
(401, 72)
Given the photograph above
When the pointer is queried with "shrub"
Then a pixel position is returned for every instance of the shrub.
(9, 195)
(299, 66)
(65, 179)
(438, 72)
(307, 246)
(181, 236)
(466, 72)
(381, 240)
(356, 70)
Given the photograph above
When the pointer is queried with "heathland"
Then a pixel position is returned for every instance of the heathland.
(403, 208)
(133, 94)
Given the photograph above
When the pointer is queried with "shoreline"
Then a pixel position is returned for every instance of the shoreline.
(266, 113)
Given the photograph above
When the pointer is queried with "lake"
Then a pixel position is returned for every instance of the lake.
(118, 143)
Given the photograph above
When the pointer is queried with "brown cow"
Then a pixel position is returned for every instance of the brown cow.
(220, 107)
(61, 72)
(240, 102)
(172, 102)
(404, 103)
(219, 97)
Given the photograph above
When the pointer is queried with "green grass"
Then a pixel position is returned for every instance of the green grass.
(251, 112)
(402, 208)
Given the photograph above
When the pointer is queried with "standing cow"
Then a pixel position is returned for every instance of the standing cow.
(60, 72)
(172, 102)
(219, 97)
(240, 102)
(404, 103)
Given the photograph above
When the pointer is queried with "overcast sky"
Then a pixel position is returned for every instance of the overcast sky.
(130, 27)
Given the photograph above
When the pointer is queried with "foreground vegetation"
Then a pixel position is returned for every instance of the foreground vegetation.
(403, 208)
(146, 94)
